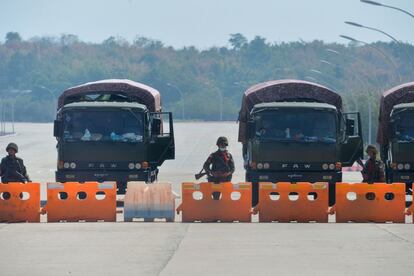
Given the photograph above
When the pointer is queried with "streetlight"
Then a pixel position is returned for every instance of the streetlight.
(356, 102)
(326, 62)
(221, 100)
(53, 98)
(373, 29)
(182, 98)
(328, 83)
(391, 61)
(386, 6)
(311, 78)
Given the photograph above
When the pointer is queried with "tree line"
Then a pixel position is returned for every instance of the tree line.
(194, 82)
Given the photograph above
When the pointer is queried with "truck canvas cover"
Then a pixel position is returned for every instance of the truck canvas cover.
(130, 91)
(400, 94)
(283, 91)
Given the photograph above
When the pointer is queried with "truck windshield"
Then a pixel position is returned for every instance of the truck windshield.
(103, 125)
(404, 127)
(307, 126)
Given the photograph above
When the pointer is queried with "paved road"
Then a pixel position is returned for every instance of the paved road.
(190, 249)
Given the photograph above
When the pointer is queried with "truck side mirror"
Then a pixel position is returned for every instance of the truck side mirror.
(57, 128)
(251, 128)
(350, 127)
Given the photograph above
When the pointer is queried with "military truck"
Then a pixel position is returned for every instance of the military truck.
(112, 130)
(296, 131)
(396, 133)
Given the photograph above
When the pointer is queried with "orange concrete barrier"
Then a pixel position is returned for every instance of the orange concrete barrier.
(362, 202)
(73, 201)
(20, 202)
(286, 202)
(209, 202)
(149, 201)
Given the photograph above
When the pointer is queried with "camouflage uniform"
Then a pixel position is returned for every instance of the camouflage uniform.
(219, 166)
(12, 168)
(373, 171)
(219, 162)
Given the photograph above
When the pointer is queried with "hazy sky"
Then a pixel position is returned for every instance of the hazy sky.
(205, 23)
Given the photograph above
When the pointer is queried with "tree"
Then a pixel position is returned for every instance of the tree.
(237, 41)
(13, 37)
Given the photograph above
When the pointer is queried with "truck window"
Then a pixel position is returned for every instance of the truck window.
(404, 127)
(297, 125)
(90, 125)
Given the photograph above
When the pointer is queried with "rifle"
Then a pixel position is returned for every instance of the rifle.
(200, 174)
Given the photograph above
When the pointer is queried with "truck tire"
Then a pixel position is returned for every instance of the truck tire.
(121, 188)
(255, 193)
(332, 195)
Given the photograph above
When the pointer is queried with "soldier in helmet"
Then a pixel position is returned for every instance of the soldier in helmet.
(219, 166)
(373, 169)
(12, 168)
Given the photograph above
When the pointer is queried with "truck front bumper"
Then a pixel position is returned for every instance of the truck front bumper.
(101, 176)
(296, 176)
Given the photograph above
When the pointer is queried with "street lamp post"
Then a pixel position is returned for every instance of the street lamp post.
(387, 6)
(373, 29)
(182, 99)
(315, 71)
(356, 102)
(53, 98)
(387, 57)
(380, 31)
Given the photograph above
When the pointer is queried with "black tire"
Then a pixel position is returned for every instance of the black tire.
(332, 193)
(255, 193)
(121, 188)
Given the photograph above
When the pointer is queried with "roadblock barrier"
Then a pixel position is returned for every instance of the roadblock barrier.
(149, 201)
(20, 202)
(362, 202)
(286, 202)
(74, 201)
(210, 202)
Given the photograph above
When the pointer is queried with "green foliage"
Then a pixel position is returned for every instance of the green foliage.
(46, 66)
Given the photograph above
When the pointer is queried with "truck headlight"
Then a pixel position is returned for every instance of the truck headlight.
(325, 166)
(131, 166)
(407, 166)
(73, 165)
(260, 166)
(266, 166)
(66, 165)
(400, 166)
(137, 166)
(332, 166)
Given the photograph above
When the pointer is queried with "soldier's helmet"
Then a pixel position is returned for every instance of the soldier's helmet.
(371, 148)
(222, 140)
(12, 146)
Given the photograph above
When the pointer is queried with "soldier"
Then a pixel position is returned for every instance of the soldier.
(12, 168)
(219, 166)
(373, 169)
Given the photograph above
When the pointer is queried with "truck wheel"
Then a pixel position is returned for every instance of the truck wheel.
(121, 188)
(255, 193)
(332, 195)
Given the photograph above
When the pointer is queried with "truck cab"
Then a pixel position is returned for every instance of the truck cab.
(105, 138)
(299, 140)
(400, 157)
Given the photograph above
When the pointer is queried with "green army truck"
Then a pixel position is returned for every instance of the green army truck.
(112, 130)
(296, 131)
(396, 133)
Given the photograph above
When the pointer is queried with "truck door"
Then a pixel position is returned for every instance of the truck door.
(161, 145)
(352, 144)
